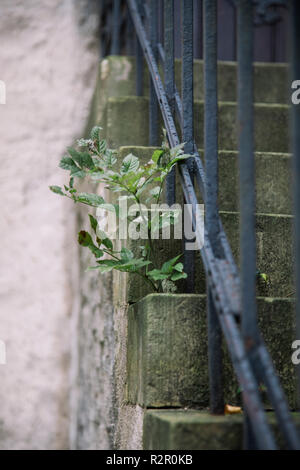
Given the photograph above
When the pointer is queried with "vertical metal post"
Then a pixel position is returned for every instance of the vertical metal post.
(129, 34)
(139, 60)
(198, 32)
(115, 45)
(247, 185)
(295, 75)
(247, 170)
(169, 72)
(153, 105)
(188, 115)
(211, 197)
(161, 5)
(211, 124)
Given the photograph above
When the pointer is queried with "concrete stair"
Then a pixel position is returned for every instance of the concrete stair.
(167, 344)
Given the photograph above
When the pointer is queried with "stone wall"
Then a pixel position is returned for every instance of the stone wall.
(48, 60)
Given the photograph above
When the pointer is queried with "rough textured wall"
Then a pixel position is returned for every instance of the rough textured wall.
(48, 60)
(92, 423)
(101, 417)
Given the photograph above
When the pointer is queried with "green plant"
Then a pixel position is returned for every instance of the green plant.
(133, 181)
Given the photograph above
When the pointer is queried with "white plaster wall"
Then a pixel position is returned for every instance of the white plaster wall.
(48, 60)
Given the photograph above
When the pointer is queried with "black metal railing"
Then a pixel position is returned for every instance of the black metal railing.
(231, 298)
(270, 31)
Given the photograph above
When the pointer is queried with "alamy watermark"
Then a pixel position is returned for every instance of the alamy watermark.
(166, 222)
(296, 94)
(296, 353)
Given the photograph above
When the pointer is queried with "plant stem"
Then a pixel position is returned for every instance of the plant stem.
(148, 280)
(111, 254)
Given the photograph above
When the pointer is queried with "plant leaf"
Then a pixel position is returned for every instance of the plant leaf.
(157, 275)
(109, 158)
(130, 163)
(126, 254)
(91, 199)
(95, 132)
(167, 267)
(178, 267)
(177, 276)
(157, 154)
(57, 190)
(66, 163)
(108, 243)
(85, 239)
(77, 172)
(93, 222)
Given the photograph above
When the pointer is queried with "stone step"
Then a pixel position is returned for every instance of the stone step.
(274, 258)
(197, 430)
(127, 123)
(117, 78)
(167, 364)
(273, 176)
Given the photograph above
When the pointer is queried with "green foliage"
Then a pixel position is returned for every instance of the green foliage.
(132, 180)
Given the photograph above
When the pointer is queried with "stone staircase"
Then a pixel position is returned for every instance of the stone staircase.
(165, 334)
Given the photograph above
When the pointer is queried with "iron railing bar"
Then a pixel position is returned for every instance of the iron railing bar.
(215, 276)
(211, 122)
(247, 169)
(247, 187)
(214, 333)
(139, 60)
(188, 117)
(187, 79)
(169, 77)
(153, 105)
(129, 35)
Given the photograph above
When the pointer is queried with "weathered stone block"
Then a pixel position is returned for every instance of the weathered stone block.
(128, 124)
(265, 90)
(167, 350)
(117, 78)
(274, 250)
(273, 171)
(166, 362)
(127, 121)
(271, 138)
(274, 257)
